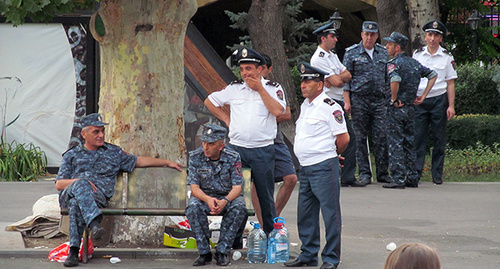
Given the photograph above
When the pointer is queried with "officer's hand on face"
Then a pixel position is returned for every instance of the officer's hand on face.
(254, 83)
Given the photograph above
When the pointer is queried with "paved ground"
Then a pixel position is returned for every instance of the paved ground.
(461, 220)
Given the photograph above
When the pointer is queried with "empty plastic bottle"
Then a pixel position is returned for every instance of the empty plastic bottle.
(257, 245)
(278, 242)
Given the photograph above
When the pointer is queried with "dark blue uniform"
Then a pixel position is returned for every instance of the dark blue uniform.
(400, 121)
(368, 90)
(216, 179)
(99, 167)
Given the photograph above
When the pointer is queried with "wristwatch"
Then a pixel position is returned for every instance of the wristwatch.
(392, 102)
(227, 200)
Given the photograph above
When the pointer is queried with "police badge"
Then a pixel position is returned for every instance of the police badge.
(244, 53)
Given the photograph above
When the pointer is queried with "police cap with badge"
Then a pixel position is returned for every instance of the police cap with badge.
(329, 28)
(93, 119)
(397, 38)
(435, 27)
(212, 133)
(247, 55)
(370, 26)
(307, 72)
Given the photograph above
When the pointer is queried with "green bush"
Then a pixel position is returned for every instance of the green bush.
(476, 91)
(473, 160)
(464, 131)
(20, 162)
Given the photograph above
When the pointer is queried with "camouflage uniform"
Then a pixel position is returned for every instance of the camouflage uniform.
(99, 167)
(401, 121)
(216, 179)
(368, 90)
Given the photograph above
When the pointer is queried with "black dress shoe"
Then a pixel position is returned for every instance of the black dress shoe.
(203, 259)
(327, 265)
(299, 263)
(97, 232)
(384, 180)
(222, 259)
(411, 184)
(72, 260)
(353, 184)
(437, 181)
(365, 181)
(393, 185)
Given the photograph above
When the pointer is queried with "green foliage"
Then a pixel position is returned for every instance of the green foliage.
(15, 11)
(466, 130)
(473, 160)
(295, 31)
(20, 162)
(296, 83)
(477, 89)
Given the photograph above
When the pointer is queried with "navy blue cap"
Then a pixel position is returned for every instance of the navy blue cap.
(370, 26)
(328, 28)
(307, 72)
(248, 55)
(436, 27)
(93, 119)
(397, 38)
(212, 133)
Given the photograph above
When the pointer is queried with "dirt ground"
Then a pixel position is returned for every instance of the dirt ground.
(41, 242)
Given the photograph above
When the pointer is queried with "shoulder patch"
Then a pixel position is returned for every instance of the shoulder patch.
(321, 54)
(329, 101)
(279, 94)
(236, 82)
(272, 83)
(238, 168)
(337, 114)
(390, 68)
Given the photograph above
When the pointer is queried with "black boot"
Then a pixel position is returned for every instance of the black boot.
(222, 259)
(203, 259)
(72, 259)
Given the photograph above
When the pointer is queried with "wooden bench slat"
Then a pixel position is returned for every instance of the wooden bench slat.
(145, 212)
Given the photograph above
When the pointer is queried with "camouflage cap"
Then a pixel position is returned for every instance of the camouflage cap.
(397, 38)
(212, 133)
(93, 119)
(370, 26)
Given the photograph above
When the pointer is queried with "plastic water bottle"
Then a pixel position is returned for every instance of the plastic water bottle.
(278, 243)
(257, 245)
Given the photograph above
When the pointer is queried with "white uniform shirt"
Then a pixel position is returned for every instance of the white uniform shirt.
(251, 124)
(441, 62)
(330, 63)
(316, 130)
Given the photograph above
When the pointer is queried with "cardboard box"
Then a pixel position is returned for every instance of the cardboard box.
(180, 238)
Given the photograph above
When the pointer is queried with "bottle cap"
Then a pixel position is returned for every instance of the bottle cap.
(278, 225)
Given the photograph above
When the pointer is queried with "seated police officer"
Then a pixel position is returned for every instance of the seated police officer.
(86, 180)
(216, 188)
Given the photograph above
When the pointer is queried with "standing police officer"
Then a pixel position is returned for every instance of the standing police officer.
(405, 73)
(329, 62)
(321, 135)
(216, 183)
(439, 106)
(366, 101)
(255, 103)
(86, 180)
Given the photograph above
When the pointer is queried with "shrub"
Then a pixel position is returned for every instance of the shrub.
(20, 162)
(476, 90)
(464, 131)
(473, 160)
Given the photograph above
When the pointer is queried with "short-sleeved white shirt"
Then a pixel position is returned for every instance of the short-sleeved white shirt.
(316, 130)
(251, 124)
(329, 62)
(441, 62)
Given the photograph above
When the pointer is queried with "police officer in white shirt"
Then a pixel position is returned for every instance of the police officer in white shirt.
(439, 106)
(321, 135)
(329, 62)
(254, 102)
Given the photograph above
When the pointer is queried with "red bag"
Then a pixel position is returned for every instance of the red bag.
(61, 252)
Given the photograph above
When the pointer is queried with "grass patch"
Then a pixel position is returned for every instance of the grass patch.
(21, 162)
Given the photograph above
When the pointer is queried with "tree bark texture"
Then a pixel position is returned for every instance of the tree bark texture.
(393, 16)
(421, 12)
(142, 89)
(268, 15)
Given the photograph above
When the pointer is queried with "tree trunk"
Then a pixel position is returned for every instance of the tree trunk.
(397, 21)
(421, 12)
(142, 77)
(268, 14)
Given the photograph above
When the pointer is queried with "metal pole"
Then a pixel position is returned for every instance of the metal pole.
(474, 45)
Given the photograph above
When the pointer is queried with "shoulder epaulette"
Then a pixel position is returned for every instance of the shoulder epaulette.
(419, 49)
(272, 83)
(329, 101)
(447, 52)
(351, 47)
(380, 46)
(236, 82)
